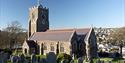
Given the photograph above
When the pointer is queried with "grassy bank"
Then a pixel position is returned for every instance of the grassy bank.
(113, 60)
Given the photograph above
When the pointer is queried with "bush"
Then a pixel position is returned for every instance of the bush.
(1, 50)
(62, 56)
(114, 50)
(41, 56)
(103, 54)
(75, 60)
(7, 50)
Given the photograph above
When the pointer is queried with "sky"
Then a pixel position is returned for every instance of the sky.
(67, 13)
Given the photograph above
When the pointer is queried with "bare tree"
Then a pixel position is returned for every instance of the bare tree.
(3, 39)
(15, 33)
(118, 38)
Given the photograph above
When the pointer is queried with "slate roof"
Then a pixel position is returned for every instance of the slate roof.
(58, 35)
(78, 31)
(53, 36)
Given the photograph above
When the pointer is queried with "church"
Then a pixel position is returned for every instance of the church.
(42, 40)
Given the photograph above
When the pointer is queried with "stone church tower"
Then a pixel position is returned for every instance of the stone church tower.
(38, 19)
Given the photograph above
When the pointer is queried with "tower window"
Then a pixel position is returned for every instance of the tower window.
(43, 16)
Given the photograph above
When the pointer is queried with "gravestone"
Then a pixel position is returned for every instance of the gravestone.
(5, 57)
(1, 57)
(19, 59)
(72, 61)
(64, 61)
(14, 59)
(51, 57)
(73, 57)
(123, 52)
(11, 58)
(43, 60)
(33, 58)
(98, 61)
(80, 60)
(102, 61)
(22, 58)
(38, 59)
(110, 61)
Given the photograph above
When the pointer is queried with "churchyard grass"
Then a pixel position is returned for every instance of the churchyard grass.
(113, 60)
(41, 56)
(75, 60)
(9, 61)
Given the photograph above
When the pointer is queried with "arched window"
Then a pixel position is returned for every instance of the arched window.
(61, 47)
(45, 47)
(52, 47)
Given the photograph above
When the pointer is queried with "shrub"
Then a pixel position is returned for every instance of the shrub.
(7, 50)
(41, 56)
(62, 56)
(114, 50)
(103, 54)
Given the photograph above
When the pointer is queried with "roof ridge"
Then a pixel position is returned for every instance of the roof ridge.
(67, 29)
(55, 32)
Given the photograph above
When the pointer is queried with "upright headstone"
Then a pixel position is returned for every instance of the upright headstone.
(80, 60)
(11, 58)
(110, 61)
(102, 61)
(51, 57)
(64, 61)
(73, 57)
(5, 57)
(38, 59)
(98, 61)
(72, 61)
(33, 58)
(14, 59)
(1, 57)
(43, 60)
(22, 58)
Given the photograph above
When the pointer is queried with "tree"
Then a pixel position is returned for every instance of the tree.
(3, 39)
(15, 33)
(118, 38)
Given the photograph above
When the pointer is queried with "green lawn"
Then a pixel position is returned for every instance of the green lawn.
(41, 56)
(115, 60)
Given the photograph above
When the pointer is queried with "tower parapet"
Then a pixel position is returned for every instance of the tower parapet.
(38, 19)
